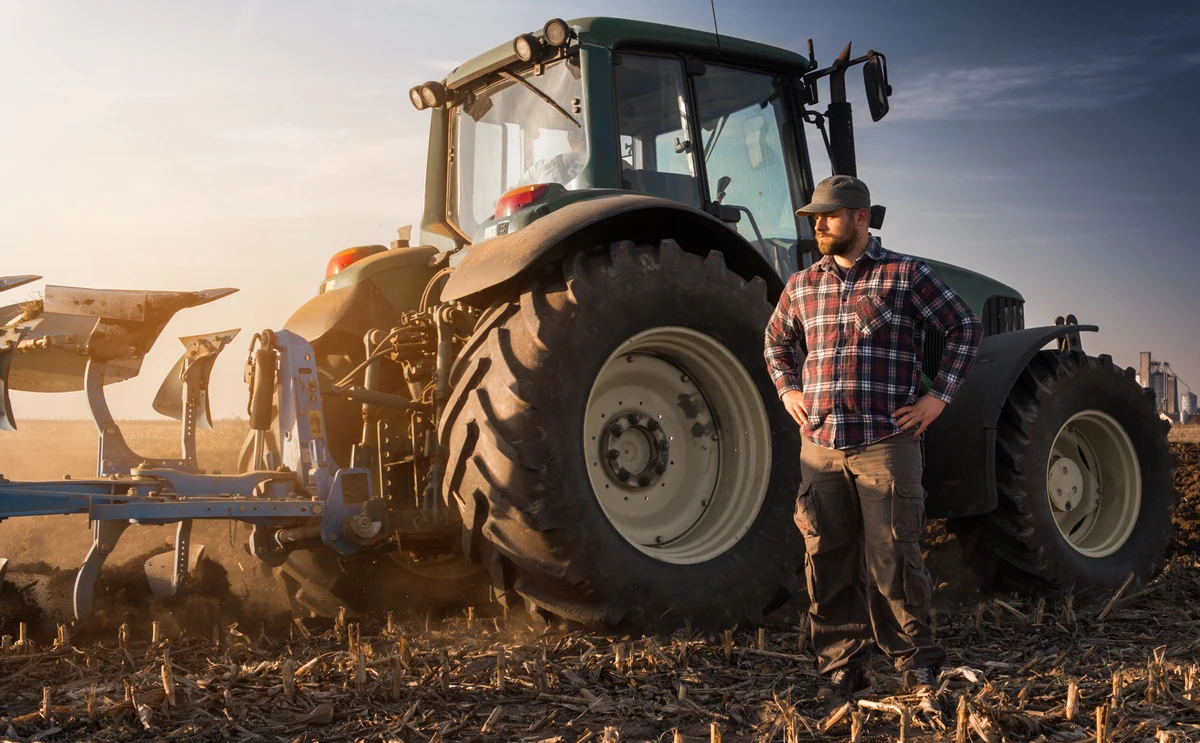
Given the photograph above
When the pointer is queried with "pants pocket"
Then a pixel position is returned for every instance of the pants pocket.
(908, 511)
(806, 511)
(918, 583)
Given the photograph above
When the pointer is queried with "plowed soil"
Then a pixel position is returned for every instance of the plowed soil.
(1187, 516)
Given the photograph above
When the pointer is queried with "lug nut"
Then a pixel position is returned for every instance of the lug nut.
(664, 445)
(661, 468)
(616, 430)
(644, 480)
(623, 475)
(613, 453)
(652, 425)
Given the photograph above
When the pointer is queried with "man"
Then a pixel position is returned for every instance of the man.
(860, 315)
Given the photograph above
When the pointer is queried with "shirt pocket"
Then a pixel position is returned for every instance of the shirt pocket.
(871, 314)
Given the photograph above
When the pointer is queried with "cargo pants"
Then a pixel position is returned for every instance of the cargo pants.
(861, 511)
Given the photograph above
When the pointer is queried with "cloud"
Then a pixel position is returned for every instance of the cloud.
(1010, 92)
(1078, 80)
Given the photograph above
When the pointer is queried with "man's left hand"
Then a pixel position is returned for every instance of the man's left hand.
(920, 414)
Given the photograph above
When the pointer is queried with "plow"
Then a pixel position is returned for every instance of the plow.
(87, 339)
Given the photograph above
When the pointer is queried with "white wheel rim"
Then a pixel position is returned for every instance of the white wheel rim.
(1094, 483)
(678, 444)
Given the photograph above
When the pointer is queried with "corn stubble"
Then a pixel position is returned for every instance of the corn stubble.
(1112, 666)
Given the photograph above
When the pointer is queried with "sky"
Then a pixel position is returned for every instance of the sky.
(185, 146)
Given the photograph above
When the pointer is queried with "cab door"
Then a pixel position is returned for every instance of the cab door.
(750, 158)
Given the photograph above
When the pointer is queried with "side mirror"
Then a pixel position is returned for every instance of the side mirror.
(876, 81)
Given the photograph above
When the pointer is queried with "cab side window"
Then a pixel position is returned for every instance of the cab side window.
(657, 157)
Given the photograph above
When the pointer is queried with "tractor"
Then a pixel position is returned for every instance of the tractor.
(559, 389)
(609, 218)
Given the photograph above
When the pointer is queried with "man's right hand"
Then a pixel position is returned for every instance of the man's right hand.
(795, 408)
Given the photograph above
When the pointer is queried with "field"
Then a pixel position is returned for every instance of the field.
(228, 664)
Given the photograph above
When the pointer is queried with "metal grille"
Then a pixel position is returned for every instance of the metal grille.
(1000, 315)
(931, 358)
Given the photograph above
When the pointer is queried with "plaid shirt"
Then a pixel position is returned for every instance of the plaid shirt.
(862, 337)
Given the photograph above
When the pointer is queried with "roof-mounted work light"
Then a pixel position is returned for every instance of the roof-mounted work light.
(556, 32)
(433, 94)
(414, 95)
(528, 47)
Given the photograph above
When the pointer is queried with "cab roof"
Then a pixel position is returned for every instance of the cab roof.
(620, 33)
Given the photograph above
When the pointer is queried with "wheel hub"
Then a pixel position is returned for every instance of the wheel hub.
(678, 444)
(1064, 483)
(1093, 483)
(635, 450)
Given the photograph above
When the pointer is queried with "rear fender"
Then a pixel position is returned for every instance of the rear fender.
(491, 267)
(960, 447)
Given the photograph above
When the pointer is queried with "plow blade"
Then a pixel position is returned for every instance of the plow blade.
(12, 282)
(47, 345)
(185, 387)
(167, 573)
(53, 339)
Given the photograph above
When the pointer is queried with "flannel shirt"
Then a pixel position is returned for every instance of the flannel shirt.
(862, 336)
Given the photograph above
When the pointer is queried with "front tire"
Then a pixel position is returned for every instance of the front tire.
(1085, 479)
(614, 437)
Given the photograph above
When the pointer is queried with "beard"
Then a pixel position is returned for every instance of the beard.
(836, 244)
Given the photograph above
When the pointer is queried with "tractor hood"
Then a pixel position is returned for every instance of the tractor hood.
(973, 287)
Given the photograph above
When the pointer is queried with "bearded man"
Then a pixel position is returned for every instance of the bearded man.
(860, 315)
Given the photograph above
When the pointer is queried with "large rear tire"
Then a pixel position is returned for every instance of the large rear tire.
(1085, 480)
(614, 437)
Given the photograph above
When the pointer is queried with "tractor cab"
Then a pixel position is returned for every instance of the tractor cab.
(601, 105)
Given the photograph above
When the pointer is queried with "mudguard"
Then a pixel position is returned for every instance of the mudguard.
(620, 216)
(960, 447)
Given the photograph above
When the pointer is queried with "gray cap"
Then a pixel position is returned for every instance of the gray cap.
(836, 192)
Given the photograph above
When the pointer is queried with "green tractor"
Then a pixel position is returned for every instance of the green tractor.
(562, 391)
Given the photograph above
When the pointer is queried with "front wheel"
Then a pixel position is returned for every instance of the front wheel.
(1085, 479)
(614, 437)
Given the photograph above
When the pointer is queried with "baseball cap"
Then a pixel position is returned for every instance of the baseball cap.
(836, 192)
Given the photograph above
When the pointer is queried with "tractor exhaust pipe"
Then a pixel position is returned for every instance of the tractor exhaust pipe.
(841, 118)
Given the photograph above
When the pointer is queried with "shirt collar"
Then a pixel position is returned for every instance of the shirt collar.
(874, 251)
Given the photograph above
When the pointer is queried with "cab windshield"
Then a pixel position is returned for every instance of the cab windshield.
(508, 135)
